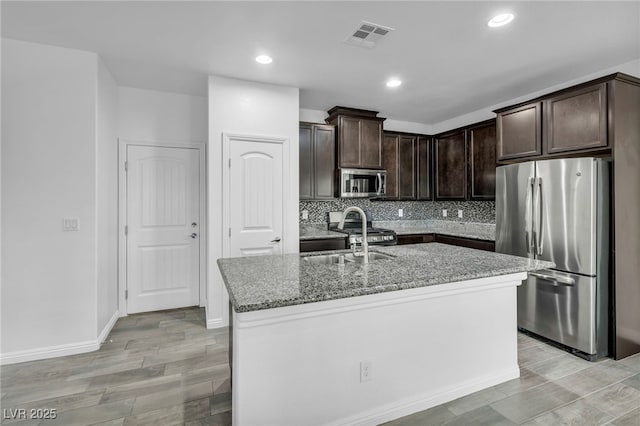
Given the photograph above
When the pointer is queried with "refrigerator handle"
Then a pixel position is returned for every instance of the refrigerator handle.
(558, 279)
(537, 211)
(528, 226)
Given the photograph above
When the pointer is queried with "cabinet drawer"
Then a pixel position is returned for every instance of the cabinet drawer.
(323, 244)
(466, 242)
(415, 239)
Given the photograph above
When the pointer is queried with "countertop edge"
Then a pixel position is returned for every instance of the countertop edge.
(446, 278)
(368, 292)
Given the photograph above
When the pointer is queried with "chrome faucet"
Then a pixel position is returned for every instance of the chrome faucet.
(365, 244)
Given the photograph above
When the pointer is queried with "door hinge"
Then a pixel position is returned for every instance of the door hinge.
(229, 232)
(229, 162)
(126, 294)
(126, 166)
(126, 230)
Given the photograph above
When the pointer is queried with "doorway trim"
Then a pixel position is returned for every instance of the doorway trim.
(229, 138)
(122, 215)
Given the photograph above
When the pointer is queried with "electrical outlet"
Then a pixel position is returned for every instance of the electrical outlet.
(400, 213)
(460, 214)
(305, 214)
(365, 371)
(444, 213)
(71, 224)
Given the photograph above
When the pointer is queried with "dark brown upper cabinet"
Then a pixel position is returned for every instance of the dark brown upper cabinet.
(519, 132)
(399, 160)
(572, 121)
(451, 166)
(482, 161)
(359, 137)
(424, 171)
(317, 161)
(306, 161)
(465, 163)
(576, 120)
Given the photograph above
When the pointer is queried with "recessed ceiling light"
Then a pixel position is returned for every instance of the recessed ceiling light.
(264, 59)
(500, 20)
(394, 82)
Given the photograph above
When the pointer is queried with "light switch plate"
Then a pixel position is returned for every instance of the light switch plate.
(400, 213)
(305, 214)
(444, 213)
(460, 214)
(71, 224)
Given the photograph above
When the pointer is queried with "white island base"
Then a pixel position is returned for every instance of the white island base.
(301, 365)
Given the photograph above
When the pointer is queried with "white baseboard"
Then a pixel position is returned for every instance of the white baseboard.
(107, 328)
(60, 350)
(216, 323)
(399, 409)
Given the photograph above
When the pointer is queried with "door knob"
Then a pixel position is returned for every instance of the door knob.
(276, 240)
(193, 224)
(194, 235)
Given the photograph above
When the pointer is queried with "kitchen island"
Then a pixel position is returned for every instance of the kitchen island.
(317, 343)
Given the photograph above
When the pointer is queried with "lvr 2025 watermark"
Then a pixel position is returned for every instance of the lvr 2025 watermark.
(34, 413)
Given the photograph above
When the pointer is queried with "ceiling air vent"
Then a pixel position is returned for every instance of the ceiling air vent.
(367, 34)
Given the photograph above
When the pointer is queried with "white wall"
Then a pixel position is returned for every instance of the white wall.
(245, 107)
(107, 197)
(48, 172)
(149, 115)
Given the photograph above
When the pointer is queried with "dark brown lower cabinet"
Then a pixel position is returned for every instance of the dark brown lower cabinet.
(415, 239)
(323, 244)
(466, 242)
(446, 239)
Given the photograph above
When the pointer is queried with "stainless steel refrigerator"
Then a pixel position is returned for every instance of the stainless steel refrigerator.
(558, 210)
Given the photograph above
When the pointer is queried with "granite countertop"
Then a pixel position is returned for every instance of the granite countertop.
(264, 282)
(318, 232)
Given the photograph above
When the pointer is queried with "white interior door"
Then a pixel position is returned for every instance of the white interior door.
(163, 220)
(255, 198)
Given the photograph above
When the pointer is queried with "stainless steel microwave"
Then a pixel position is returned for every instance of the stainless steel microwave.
(362, 183)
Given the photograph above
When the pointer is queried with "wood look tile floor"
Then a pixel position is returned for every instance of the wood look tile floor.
(554, 388)
(166, 368)
(157, 368)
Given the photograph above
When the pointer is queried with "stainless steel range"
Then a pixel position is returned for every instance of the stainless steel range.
(353, 228)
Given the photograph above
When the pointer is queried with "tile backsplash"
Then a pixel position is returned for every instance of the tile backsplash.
(472, 211)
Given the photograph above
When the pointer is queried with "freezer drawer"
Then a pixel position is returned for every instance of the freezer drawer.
(561, 307)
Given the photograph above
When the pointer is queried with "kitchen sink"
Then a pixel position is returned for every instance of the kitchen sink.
(337, 258)
(327, 259)
(373, 255)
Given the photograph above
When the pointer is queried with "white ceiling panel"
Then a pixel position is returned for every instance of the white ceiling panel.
(451, 63)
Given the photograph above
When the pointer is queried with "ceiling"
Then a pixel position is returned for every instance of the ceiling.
(451, 63)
